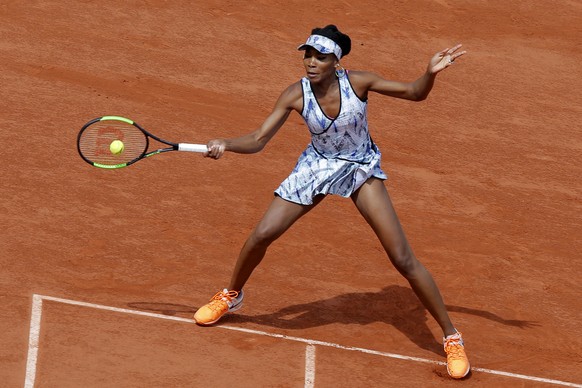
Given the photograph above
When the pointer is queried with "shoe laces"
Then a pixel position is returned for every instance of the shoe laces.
(454, 347)
(224, 296)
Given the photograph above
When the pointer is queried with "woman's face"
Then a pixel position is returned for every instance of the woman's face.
(318, 66)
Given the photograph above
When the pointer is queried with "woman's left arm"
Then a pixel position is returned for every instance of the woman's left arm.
(417, 90)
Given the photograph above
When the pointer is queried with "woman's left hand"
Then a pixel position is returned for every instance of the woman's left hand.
(444, 59)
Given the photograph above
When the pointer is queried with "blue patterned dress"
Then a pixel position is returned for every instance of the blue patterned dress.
(341, 155)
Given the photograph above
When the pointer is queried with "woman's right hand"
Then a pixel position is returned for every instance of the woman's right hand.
(216, 148)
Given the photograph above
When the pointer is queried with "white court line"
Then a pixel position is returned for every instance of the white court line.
(310, 366)
(35, 331)
(33, 339)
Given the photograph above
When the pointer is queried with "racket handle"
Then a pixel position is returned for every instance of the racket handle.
(192, 147)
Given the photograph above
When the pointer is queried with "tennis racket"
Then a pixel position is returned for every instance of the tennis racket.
(95, 139)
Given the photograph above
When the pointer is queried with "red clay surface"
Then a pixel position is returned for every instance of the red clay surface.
(485, 175)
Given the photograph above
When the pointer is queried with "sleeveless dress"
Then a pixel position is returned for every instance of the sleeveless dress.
(341, 155)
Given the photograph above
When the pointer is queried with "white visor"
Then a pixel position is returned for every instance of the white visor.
(322, 44)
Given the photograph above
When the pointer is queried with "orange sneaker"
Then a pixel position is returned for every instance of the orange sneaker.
(223, 302)
(457, 361)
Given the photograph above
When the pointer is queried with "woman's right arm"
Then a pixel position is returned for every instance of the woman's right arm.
(290, 99)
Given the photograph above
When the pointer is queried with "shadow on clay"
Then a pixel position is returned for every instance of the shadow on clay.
(394, 305)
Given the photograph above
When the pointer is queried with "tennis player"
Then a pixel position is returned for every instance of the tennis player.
(341, 159)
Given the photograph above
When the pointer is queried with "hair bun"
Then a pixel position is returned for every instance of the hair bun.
(332, 32)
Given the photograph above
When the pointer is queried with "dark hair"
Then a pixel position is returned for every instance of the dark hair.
(331, 31)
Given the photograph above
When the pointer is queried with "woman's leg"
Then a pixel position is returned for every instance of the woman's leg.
(279, 217)
(373, 202)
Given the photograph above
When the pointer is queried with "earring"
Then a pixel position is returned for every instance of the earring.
(340, 72)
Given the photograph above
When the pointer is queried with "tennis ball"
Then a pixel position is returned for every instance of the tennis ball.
(116, 147)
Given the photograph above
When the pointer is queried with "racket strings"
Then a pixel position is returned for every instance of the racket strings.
(96, 139)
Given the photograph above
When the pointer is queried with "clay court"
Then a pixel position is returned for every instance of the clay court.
(101, 271)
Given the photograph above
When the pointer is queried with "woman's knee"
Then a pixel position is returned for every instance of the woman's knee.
(404, 261)
(264, 234)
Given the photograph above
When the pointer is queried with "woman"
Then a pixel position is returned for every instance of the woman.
(341, 159)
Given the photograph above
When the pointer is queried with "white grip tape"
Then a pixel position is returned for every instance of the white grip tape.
(192, 147)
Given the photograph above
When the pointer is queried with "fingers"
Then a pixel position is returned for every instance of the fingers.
(452, 54)
(457, 55)
(215, 149)
(447, 56)
(455, 48)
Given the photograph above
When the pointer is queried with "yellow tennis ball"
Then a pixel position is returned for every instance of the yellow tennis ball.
(116, 147)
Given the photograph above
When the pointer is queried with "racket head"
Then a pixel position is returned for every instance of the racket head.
(96, 136)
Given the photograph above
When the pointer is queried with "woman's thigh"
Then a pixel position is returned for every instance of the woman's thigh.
(280, 216)
(374, 203)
